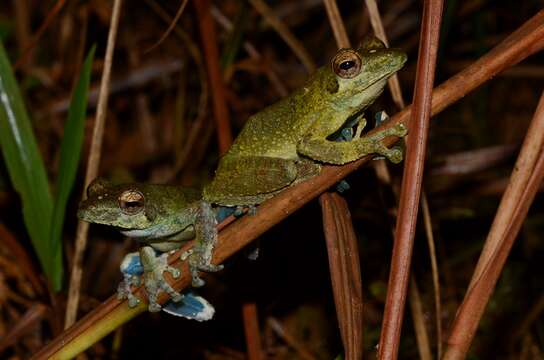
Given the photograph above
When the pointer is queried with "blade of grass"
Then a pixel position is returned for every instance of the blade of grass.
(70, 151)
(26, 169)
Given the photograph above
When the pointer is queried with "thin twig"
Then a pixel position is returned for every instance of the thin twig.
(25, 324)
(215, 77)
(525, 41)
(25, 262)
(170, 27)
(285, 34)
(251, 329)
(273, 77)
(301, 351)
(416, 309)
(25, 55)
(382, 172)
(411, 182)
(337, 24)
(92, 168)
(344, 264)
(434, 266)
(377, 26)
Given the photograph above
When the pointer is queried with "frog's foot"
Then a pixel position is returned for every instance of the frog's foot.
(251, 210)
(124, 290)
(394, 154)
(199, 261)
(154, 282)
(131, 268)
(191, 307)
(239, 211)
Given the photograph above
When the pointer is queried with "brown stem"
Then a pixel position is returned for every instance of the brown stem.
(416, 146)
(215, 77)
(526, 178)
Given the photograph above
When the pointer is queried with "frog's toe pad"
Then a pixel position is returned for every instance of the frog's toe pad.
(173, 271)
(210, 267)
(395, 155)
(400, 130)
(197, 281)
(154, 307)
(133, 301)
(191, 307)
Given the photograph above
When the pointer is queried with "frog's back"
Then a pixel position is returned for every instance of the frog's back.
(276, 130)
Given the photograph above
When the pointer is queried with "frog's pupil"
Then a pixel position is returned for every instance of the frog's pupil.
(133, 204)
(346, 65)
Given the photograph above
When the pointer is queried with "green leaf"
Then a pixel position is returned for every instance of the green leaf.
(25, 166)
(70, 151)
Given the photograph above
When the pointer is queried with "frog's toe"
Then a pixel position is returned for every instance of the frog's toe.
(210, 267)
(173, 271)
(154, 307)
(133, 301)
(197, 281)
(400, 130)
(124, 290)
(174, 295)
(394, 155)
(194, 268)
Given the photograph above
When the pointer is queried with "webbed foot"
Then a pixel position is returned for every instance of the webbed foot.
(124, 290)
(198, 261)
(154, 282)
(191, 307)
(394, 154)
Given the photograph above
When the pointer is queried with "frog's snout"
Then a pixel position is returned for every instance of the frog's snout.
(397, 58)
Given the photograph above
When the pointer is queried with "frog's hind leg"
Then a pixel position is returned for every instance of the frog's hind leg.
(250, 176)
(307, 169)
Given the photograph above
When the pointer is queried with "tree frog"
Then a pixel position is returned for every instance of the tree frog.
(162, 218)
(286, 142)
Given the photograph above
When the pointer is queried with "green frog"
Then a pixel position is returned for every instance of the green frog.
(162, 218)
(288, 141)
(282, 145)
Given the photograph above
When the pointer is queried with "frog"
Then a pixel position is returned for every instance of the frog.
(290, 140)
(161, 218)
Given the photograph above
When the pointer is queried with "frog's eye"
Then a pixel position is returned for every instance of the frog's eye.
(346, 63)
(131, 202)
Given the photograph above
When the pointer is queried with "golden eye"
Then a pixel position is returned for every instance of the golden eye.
(346, 63)
(131, 202)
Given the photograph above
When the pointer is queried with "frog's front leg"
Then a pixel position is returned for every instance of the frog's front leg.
(154, 267)
(200, 256)
(339, 153)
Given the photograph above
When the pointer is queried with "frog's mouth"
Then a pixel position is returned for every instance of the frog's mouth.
(137, 233)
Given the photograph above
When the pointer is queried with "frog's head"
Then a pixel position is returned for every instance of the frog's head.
(127, 206)
(357, 77)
